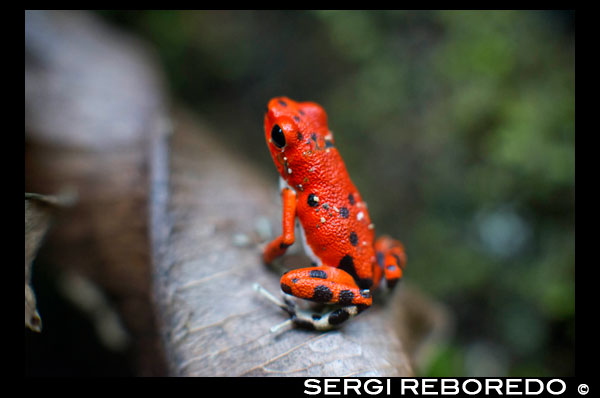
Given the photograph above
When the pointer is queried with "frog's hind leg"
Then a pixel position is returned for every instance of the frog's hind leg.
(391, 258)
(325, 285)
(335, 289)
(310, 319)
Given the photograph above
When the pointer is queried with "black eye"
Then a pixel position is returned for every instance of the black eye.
(277, 136)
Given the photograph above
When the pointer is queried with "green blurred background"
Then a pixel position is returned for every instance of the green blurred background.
(457, 127)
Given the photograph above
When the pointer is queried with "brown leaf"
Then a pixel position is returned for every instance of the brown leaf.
(39, 210)
(93, 95)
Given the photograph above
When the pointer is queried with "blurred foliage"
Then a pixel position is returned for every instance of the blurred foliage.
(457, 127)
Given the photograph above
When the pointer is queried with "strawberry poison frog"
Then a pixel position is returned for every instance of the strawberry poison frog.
(334, 221)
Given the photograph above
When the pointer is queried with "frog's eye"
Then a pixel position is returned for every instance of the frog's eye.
(277, 136)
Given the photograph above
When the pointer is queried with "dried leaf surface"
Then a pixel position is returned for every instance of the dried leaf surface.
(93, 97)
(39, 210)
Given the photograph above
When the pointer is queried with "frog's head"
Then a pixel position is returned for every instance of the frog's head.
(293, 128)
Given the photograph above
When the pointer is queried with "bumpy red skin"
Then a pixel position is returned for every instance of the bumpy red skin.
(335, 219)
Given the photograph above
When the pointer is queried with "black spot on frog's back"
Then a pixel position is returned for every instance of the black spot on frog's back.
(353, 238)
(347, 264)
(344, 212)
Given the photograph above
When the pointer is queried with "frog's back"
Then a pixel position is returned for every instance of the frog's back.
(339, 230)
(334, 217)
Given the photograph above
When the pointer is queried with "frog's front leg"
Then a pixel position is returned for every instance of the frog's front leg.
(279, 245)
(325, 285)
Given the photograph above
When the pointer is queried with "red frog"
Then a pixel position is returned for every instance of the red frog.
(335, 225)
